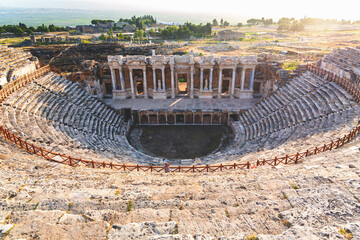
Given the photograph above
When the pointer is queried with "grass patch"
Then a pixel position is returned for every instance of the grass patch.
(60, 217)
(69, 207)
(227, 213)
(118, 192)
(348, 235)
(294, 186)
(8, 217)
(284, 221)
(252, 237)
(129, 205)
(290, 66)
(36, 205)
(7, 232)
(176, 229)
(12, 41)
(285, 196)
(181, 206)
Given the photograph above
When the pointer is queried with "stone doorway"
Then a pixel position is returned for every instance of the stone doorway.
(180, 119)
(182, 83)
(225, 87)
(108, 89)
(139, 82)
(257, 86)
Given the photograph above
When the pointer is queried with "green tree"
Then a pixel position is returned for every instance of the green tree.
(139, 34)
(42, 28)
(165, 33)
(110, 33)
(18, 31)
(253, 21)
(151, 32)
(103, 37)
(268, 21)
(29, 31)
(221, 22)
(120, 35)
(239, 24)
(23, 26)
(52, 28)
(215, 23)
(226, 24)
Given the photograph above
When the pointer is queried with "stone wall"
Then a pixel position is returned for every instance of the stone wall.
(206, 77)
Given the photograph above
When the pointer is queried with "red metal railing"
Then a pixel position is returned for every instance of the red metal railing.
(288, 159)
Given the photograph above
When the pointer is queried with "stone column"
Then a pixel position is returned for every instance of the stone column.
(192, 82)
(201, 79)
(233, 83)
(242, 78)
(122, 79)
(113, 78)
(154, 79)
(211, 78)
(220, 83)
(172, 82)
(132, 84)
(163, 78)
(145, 83)
(252, 76)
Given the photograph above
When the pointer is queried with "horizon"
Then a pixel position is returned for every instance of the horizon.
(67, 17)
(267, 9)
(195, 11)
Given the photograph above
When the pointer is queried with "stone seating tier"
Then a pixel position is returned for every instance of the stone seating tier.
(62, 117)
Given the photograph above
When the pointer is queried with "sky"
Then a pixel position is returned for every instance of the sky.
(344, 9)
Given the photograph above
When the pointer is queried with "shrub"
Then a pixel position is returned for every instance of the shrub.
(283, 221)
(176, 229)
(284, 196)
(286, 223)
(294, 186)
(346, 233)
(181, 206)
(252, 237)
(227, 213)
(129, 205)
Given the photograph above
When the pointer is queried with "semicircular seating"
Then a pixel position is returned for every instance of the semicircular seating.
(60, 116)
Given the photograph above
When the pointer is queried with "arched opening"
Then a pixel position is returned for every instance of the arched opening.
(144, 119)
(189, 118)
(153, 119)
(171, 119)
(180, 118)
(215, 119)
(198, 118)
(207, 119)
(162, 119)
